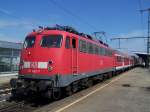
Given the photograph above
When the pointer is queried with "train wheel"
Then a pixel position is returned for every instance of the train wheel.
(110, 75)
(68, 91)
(114, 73)
(90, 83)
(48, 94)
(84, 83)
(56, 94)
(14, 93)
(75, 87)
(104, 77)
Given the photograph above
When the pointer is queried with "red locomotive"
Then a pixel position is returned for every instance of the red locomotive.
(56, 58)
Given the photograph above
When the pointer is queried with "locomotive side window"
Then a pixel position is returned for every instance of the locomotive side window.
(106, 52)
(90, 48)
(67, 44)
(96, 49)
(101, 51)
(110, 53)
(82, 46)
(51, 41)
(73, 43)
(29, 42)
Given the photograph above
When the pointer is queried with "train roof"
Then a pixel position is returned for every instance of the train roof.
(120, 53)
(72, 30)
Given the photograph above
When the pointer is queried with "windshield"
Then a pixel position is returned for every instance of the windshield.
(29, 42)
(51, 41)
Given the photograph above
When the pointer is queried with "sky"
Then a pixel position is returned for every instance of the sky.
(118, 18)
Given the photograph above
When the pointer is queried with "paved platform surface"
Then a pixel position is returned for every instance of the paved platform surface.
(128, 92)
(5, 78)
(131, 93)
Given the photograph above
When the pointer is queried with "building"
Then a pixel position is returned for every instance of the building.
(9, 56)
(145, 57)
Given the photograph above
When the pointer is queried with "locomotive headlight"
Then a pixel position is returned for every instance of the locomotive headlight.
(50, 62)
(50, 68)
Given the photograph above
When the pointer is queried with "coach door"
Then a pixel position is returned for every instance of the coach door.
(74, 54)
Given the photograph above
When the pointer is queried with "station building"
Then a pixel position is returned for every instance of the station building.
(9, 56)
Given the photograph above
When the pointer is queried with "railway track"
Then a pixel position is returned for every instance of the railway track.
(5, 88)
(9, 104)
(25, 105)
(5, 92)
(15, 107)
(20, 104)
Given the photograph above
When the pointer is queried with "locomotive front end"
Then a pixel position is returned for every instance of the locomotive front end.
(39, 64)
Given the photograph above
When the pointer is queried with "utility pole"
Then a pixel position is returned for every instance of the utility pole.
(148, 37)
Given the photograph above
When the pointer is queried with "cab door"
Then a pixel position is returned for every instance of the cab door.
(74, 55)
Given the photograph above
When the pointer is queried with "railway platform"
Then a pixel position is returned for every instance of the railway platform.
(5, 78)
(128, 92)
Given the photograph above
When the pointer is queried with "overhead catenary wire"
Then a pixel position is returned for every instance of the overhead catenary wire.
(73, 15)
(7, 13)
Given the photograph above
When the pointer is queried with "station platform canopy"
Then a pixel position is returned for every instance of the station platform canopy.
(9, 57)
(12, 45)
(144, 56)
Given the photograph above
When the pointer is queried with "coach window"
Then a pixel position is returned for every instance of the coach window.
(73, 43)
(67, 44)
(119, 58)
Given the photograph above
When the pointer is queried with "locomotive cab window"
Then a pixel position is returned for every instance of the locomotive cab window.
(29, 42)
(67, 44)
(53, 41)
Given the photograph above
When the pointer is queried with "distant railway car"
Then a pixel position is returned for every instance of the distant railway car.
(123, 61)
(59, 58)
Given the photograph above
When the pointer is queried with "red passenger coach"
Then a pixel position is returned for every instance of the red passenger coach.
(123, 61)
(59, 58)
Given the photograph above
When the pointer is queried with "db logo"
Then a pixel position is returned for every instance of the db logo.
(33, 65)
